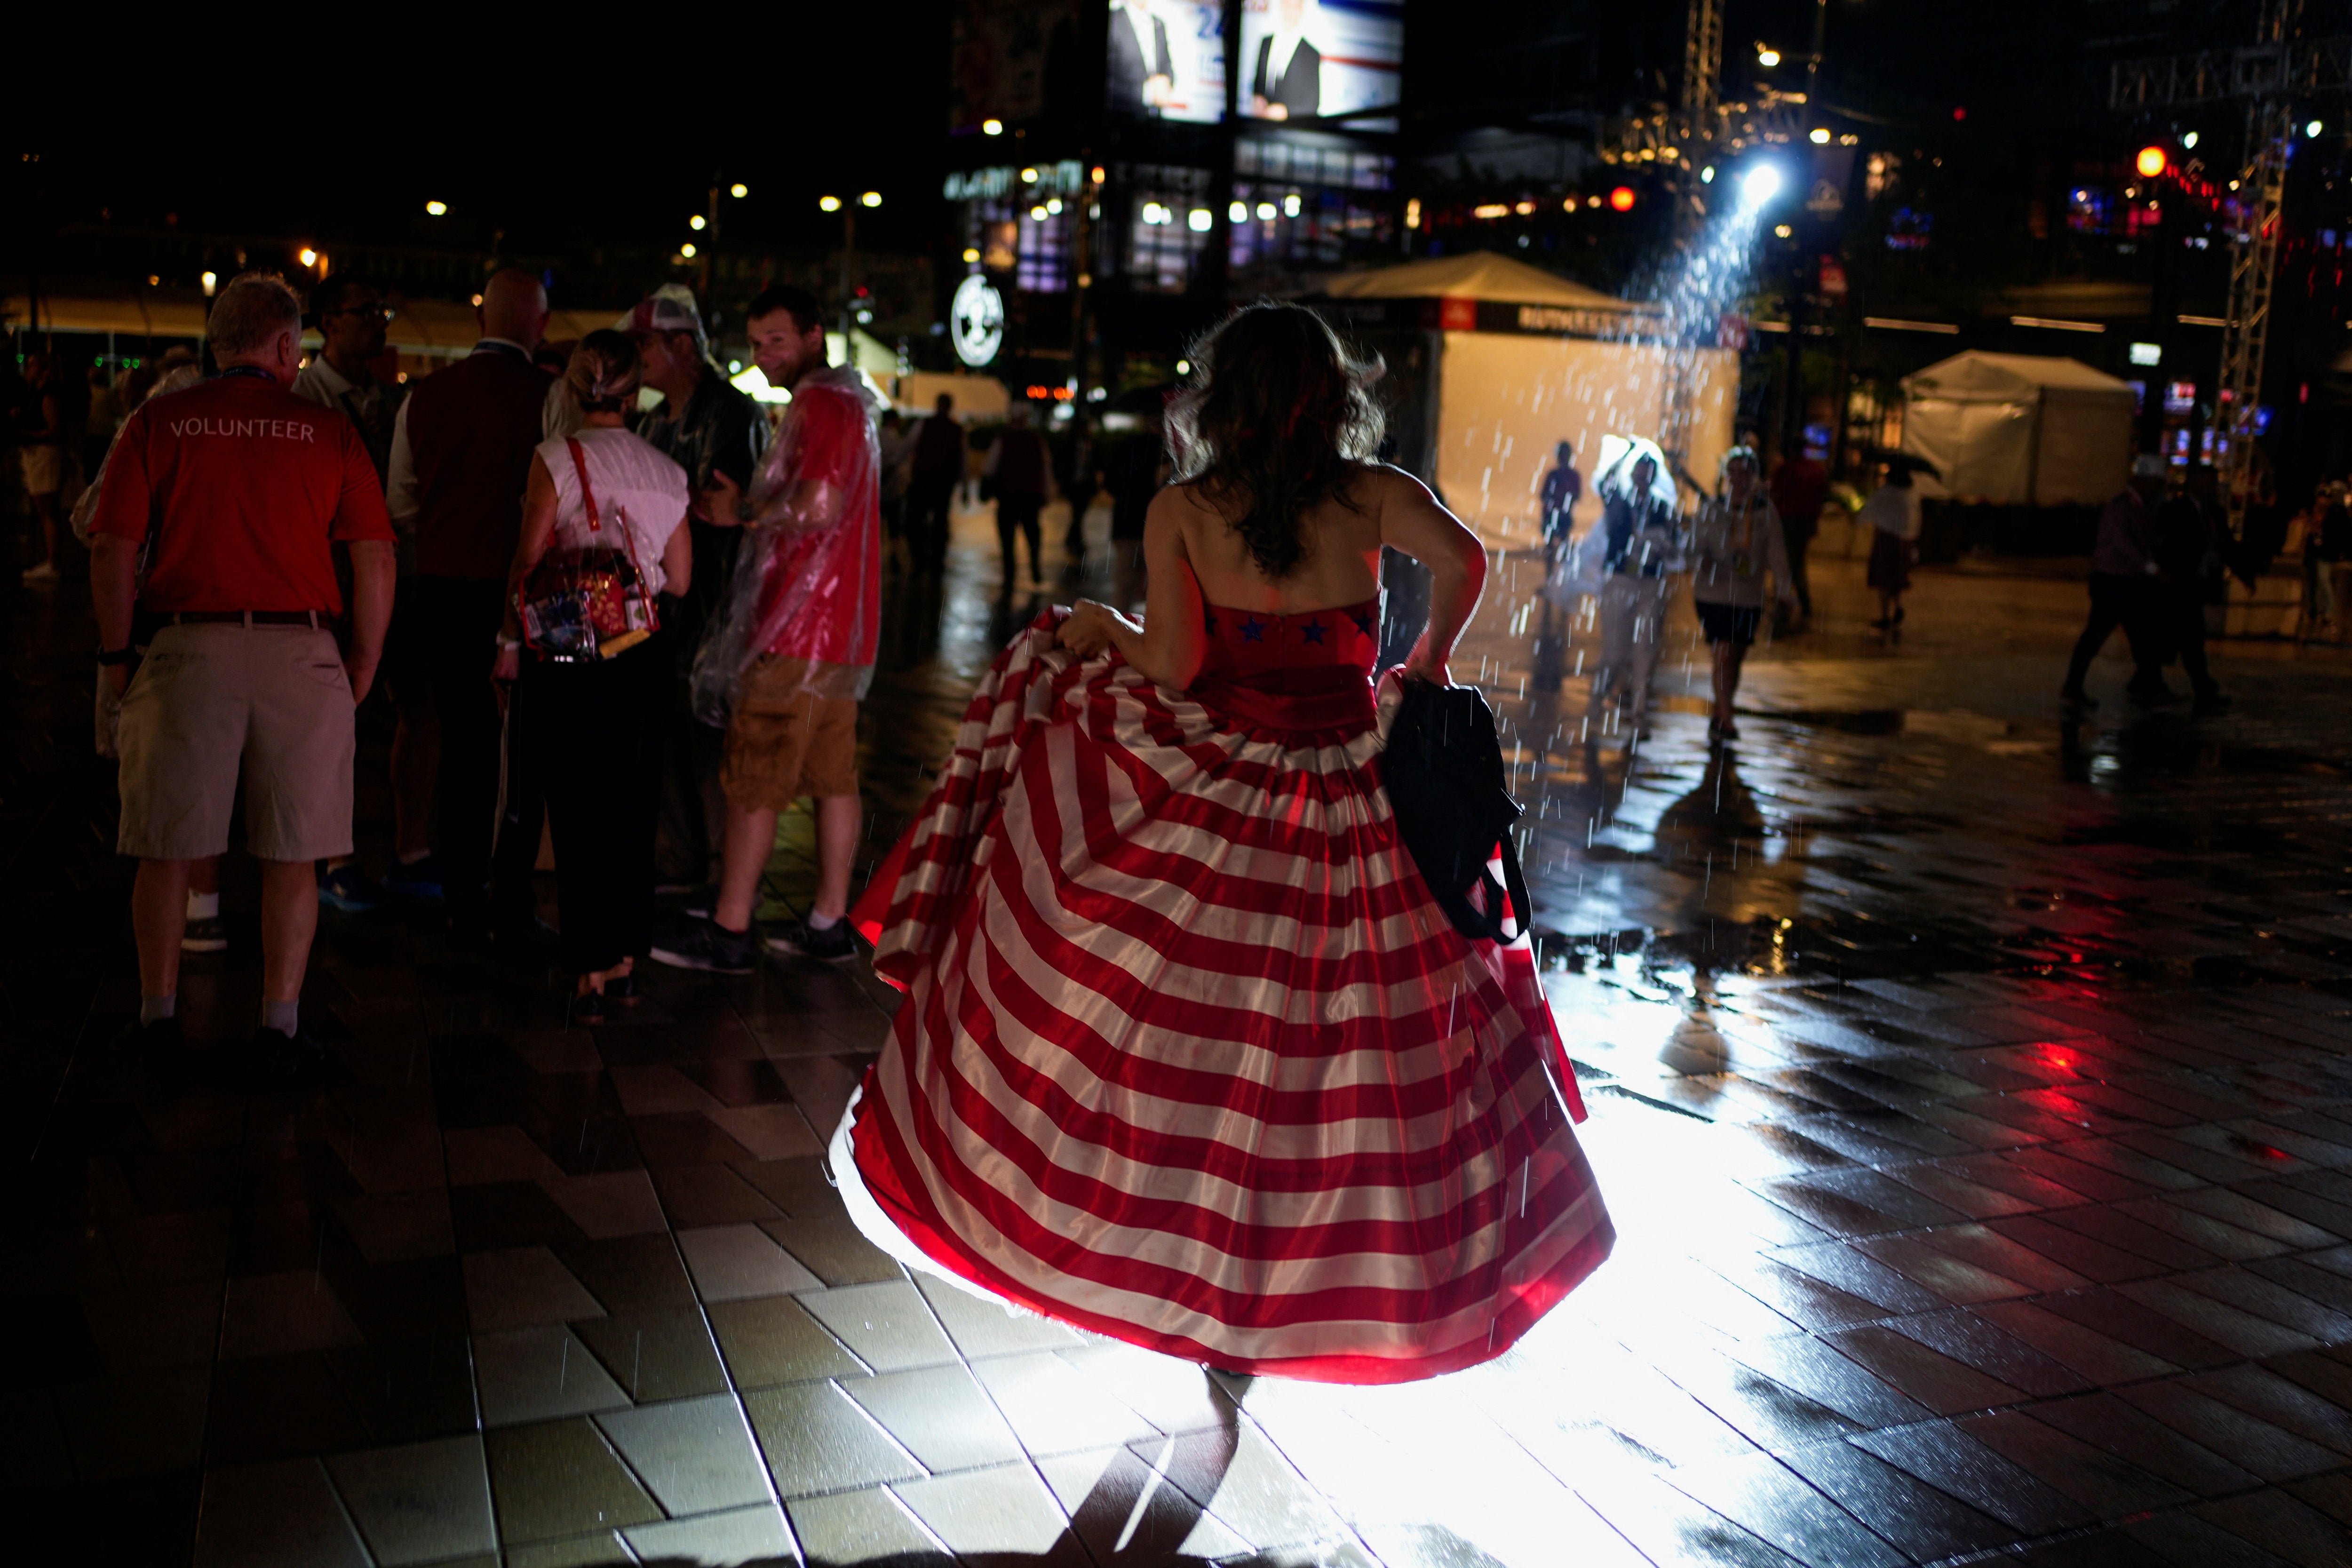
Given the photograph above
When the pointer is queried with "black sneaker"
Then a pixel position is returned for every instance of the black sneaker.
(280, 1060)
(710, 947)
(833, 944)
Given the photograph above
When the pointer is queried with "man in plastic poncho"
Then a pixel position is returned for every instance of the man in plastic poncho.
(787, 658)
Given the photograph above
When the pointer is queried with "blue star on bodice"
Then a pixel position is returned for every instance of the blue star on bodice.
(1252, 630)
(1363, 623)
(1312, 631)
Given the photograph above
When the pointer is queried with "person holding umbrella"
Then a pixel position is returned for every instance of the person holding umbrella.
(1892, 513)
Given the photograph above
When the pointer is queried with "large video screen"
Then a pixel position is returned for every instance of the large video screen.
(1306, 59)
(1167, 60)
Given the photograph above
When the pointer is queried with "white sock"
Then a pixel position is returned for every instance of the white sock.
(286, 1018)
(821, 922)
(204, 906)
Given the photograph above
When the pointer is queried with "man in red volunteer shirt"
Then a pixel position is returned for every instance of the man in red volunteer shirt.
(814, 519)
(235, 491)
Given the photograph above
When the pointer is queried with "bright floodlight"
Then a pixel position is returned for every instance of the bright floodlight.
(1760, 184)
(2312, 130)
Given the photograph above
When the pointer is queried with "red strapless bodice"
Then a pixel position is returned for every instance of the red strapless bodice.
(1312, 670)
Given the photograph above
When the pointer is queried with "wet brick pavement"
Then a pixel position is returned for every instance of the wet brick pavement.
(1973, 1094)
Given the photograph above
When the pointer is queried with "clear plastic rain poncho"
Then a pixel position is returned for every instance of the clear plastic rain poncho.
(808, 585)
(1637, 533)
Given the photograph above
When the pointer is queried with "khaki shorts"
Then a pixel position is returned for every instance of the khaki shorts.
(44, 467)
(209, 699)
(784, 742)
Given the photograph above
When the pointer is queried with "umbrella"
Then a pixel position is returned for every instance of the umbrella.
(1619, 457)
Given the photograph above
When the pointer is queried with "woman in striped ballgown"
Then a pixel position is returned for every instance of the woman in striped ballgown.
(1189, 1057)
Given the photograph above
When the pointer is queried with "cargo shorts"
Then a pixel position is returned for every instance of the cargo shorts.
(784, 742)
(210, 701)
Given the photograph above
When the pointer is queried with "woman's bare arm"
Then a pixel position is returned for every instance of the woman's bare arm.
(538, 530)
(1413, 521)
(678, 558)
(1170, 643)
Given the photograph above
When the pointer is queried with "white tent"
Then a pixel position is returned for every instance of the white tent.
(2020, 428)
(1525, 360)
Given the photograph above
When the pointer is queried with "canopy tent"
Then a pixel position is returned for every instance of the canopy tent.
(1479, 275)
(2027, 429)
(1493, 362)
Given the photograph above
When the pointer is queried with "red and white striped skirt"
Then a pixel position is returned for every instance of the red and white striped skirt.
(1189, 1056)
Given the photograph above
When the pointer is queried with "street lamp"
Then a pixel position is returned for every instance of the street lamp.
(436, 208)
(2150, 161)
(739, 190)
(870, 199)
(828, 204)
(1767, 56)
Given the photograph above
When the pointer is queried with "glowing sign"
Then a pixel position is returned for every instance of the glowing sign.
(976, 321)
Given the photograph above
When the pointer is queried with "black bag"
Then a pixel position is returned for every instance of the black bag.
(1444, 771)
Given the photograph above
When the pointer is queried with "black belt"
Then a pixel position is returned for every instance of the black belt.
(315, 619)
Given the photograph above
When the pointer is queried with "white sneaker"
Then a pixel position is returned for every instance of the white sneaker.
(46, 572)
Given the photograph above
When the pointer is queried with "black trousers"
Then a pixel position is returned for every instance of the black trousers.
(928, 514)
(2180, 619)
(456, 629)
(2117, 600)
(592, 735)
(1074, 540)
(1796, 546)
(1020, 514)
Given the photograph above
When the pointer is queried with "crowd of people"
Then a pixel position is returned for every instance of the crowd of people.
(550, 577)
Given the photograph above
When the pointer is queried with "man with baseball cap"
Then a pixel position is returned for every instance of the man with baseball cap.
(713, 430)
(235, 491)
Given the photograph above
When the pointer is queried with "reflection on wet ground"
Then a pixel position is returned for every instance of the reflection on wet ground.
(1971, 1091)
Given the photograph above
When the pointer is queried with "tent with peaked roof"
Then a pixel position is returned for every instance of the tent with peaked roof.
(1477, 275)
(1492, 363)
(2030, 429)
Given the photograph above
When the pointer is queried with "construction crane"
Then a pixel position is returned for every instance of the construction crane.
(2268, 76)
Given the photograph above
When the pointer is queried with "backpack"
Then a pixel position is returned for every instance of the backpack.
(1443, 768)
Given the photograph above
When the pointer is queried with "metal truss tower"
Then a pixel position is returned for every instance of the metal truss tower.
(2267, 76)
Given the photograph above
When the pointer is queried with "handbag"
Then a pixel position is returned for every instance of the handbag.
(581, 606)
(1443, 769)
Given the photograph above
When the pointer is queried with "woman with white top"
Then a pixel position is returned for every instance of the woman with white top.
(587, 725)
(1892, 513)
(1735, 544)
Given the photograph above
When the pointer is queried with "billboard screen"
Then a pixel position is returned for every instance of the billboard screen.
(1167, 60)
(1305, 59)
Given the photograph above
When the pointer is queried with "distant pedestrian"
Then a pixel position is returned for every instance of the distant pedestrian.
(1642, 546)
(2187, 547)
(1893, 516)
(932, 476)
(42, 455)
(349, 312)
(592, 726)
(241, 489)
(461, 454)
(1562, 488)
(1133, 472)
(1735, 546)
(2123, 584)
(707, 427)
(1020, 469)
(2330, 547)
(1078, 473)
(1800, 487)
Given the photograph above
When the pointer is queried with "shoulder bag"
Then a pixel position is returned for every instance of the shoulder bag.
(582, 605)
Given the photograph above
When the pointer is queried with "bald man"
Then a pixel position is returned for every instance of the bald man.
(460, 458)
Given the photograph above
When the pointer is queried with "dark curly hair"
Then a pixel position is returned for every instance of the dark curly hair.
(1277, 416)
